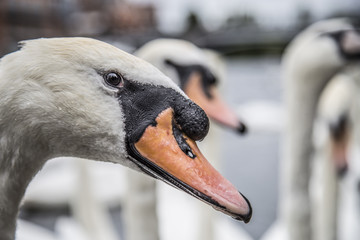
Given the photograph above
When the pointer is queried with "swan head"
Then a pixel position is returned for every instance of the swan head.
(84, 98)
(189, 67)
(322, 49)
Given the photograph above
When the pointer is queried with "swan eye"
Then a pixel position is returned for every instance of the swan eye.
(114, 80)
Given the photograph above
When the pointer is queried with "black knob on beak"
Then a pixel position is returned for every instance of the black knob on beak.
(192, 120)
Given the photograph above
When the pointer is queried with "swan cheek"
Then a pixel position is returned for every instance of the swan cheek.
(159, 145)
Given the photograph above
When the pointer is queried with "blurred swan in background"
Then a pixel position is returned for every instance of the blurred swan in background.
(313, 58)
(197, 71)
(332, 141)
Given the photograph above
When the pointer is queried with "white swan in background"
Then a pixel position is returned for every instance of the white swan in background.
(332, 135)
(80, 97)
(311, 60)
(349, 198)
(197, 72)
(349, 186)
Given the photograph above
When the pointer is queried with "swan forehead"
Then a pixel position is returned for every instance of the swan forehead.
(87, 52)
(180, 51)
(315, 49)
(329, 25)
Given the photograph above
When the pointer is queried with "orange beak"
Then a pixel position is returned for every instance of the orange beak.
(171, 156)
(214, 107)
(339, 145)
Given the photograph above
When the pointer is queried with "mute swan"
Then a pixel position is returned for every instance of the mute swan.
(332, 134)
(83, 98)
(192, 69)
(309, 62)
(349, 198)
(349, 191)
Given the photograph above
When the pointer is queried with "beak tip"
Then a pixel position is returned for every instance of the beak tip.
(246, 218)
(242, 129)
(242, 216)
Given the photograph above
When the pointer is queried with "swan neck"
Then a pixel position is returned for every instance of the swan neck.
(14, 179)
(302, 98)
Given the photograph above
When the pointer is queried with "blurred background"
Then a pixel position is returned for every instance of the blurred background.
(229, 25)
(250, 34)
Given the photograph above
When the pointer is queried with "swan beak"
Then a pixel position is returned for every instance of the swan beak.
(214, 106)
(174, 158)
(339, 153)
(340, 158)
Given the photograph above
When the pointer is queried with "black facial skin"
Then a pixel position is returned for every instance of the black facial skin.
(339, 36)
(338, 129)
(142, 103)
(184, 72)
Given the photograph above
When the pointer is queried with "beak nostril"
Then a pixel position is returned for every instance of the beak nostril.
(190, 154)
(181, 141)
